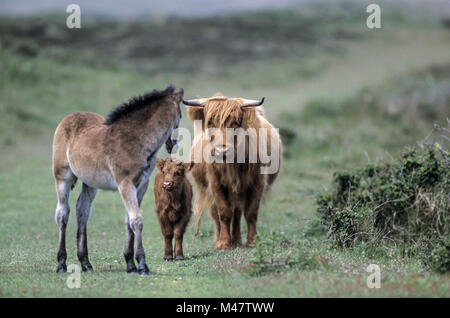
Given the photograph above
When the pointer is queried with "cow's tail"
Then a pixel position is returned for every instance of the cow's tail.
(199, 207)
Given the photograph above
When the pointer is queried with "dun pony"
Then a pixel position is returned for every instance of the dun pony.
(118, 153)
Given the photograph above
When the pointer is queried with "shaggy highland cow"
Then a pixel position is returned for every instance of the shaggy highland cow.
(230, 189)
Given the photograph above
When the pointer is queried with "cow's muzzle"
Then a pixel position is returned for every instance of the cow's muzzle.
(221, 150)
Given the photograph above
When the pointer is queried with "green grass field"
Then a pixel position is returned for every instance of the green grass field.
(341, 99)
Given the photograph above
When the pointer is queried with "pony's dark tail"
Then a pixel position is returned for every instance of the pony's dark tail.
(74, 183)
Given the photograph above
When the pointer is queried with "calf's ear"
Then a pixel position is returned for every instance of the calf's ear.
(188, 166)
(159, 164)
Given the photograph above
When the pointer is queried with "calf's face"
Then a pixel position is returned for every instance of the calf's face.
(173, 172)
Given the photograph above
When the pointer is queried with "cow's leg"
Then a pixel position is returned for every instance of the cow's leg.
(128, 193)
(128, 250)
(225, 213)
(215, 216)
(64, 180)
(225, 217)
(83, 208)
(236, 238)
(251, 213)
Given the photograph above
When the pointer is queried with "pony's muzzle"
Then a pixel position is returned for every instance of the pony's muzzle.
(172, 145)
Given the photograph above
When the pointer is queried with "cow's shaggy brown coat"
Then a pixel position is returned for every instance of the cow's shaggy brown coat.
(118, 153)
(229, 190)
(173, 198)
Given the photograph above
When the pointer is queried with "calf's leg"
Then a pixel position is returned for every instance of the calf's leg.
(83, 208)
(167, 232)
(168, 237)
(179, 233)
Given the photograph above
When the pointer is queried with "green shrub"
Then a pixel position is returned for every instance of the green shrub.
(274, 253)
(405, 203)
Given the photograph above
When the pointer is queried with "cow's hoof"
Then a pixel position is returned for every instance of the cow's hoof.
(62, 268)
(222, 245)
(179, 258)
(237, 244)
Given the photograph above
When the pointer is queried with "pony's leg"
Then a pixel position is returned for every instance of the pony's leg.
(64, 182)
(128, 193)
(83, 208)
(128, 251)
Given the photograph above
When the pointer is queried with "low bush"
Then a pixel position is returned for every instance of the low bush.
(274, 253)
(404, 204)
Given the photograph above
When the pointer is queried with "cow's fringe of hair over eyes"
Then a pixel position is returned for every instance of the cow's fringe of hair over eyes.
(222, 111)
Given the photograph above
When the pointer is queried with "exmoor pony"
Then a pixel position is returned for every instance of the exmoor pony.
(116, 153)
(235, 187)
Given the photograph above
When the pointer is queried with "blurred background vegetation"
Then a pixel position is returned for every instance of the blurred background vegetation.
(342, 95)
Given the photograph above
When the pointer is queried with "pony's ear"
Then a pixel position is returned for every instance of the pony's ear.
(195, 113)
(160, 164)
(179, 95)
(188, 166)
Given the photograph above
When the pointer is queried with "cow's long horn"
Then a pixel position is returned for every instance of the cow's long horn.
(193, 102)
(252, 102)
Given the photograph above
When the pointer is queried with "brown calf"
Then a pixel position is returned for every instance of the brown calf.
(173, 198)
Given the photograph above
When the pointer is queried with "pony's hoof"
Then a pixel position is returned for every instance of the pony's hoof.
(132, 270)
(87, 268)
(61, 269)
(168, 258)
(179, 258)
(144, 271)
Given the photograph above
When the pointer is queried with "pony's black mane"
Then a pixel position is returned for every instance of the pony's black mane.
(136, 103)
